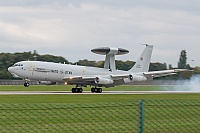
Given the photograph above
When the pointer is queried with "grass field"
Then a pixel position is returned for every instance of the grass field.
(68, 88)
(87, 98)
(96, 113)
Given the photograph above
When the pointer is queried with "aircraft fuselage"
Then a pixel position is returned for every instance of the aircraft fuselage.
(55, 72)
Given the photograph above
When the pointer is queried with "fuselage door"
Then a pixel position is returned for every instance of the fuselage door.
(31, 69)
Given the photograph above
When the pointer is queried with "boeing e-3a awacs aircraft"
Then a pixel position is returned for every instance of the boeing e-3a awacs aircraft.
(49, 73)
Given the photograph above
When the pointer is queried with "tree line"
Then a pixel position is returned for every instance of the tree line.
(8, 59)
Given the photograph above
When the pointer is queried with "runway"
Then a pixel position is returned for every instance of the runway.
(89, 93)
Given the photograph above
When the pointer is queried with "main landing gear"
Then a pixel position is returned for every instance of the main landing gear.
(96, 90)
(80, 90)
(77, 90)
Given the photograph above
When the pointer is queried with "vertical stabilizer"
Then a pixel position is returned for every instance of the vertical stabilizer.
(142, 64)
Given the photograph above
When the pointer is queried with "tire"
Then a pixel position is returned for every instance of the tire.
(26, 84)
(76, 90)
(81, 90)
(99, 90)
(96, 90)
(73, 91)
(92, 90)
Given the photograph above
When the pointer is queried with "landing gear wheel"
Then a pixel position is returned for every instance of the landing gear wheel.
(80, 90)
(96, 90)
(99, 90)
(92, 90)
(26, 84)
(76, 90)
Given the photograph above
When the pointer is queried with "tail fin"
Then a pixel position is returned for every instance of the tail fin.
(142, 64)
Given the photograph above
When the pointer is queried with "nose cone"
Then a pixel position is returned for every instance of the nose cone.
(13, 72)
(10, 69)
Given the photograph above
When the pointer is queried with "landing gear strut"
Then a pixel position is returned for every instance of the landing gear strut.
(77, 90)
(96, 90)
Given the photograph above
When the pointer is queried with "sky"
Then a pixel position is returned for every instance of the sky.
(71, 28)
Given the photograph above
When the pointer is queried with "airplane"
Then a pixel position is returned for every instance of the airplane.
(50, 73)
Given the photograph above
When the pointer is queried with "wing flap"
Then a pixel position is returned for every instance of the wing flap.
(78, 78)
(163, 75)
(72, 77)
(119, 76)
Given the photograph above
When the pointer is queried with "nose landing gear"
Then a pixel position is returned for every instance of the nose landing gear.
(26, 84)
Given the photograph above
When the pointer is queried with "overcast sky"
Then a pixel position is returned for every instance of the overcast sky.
(71, 28)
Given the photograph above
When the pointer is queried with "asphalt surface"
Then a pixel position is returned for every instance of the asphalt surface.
(88, 92)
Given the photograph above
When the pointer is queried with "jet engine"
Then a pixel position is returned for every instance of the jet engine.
(47, 83)
(104, 81)
(137, 78)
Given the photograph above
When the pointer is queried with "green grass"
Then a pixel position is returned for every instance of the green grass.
(74, 99)
(68, 88)
(96, 113)
(86, 98)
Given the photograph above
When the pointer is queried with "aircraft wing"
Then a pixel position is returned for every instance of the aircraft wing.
(110, 79)
(153, 74)
(94, 79)
(156, 74)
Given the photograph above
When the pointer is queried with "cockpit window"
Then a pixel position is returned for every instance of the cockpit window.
(18, 64)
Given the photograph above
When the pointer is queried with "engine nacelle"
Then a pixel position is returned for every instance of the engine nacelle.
(104, 81)
(47, 83)
(137, 78)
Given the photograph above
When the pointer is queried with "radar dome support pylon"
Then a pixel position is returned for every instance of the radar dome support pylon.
(110, 55)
